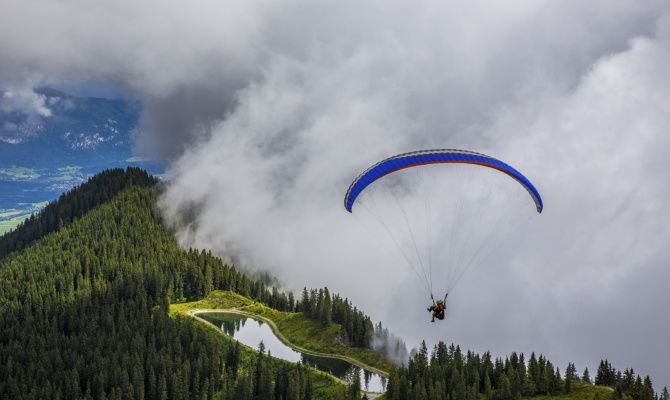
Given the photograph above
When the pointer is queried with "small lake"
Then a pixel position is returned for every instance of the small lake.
(252, 332)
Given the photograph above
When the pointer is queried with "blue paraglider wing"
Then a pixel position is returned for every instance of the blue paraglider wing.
(443, 156)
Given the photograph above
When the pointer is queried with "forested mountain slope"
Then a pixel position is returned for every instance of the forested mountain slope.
(83, 313)
(72, 205)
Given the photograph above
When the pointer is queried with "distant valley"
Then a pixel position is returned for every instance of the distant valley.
(45, 154)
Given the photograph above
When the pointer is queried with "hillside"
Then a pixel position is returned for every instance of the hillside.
(72, 205)
(84, 313)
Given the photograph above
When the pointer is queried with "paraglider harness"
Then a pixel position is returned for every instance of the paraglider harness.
(438, 308)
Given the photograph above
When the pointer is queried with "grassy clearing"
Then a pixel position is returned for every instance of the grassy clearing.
(9, 224)
(295, 328)
(15, 173)
(66, 174)
(11, 218)
(9, 213)
(581, 391)
(312, 335)
(218, 299)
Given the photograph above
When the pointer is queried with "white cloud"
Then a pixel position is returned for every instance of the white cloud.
(25, 101)
(269, 182)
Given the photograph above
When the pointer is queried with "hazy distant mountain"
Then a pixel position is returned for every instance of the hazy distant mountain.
(67, 140)
(81, 131)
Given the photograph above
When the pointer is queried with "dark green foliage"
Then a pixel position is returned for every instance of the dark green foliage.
(232, 359)
(606, 375)
(354, 390)
(570, 377)
(664, 394)
(586, 378)
(72, 205)
(448, 374)
(267, 378)
(357, 328)
(625, 383)
(84, 313)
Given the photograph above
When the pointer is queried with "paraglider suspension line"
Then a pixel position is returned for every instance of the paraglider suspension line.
(398, 246)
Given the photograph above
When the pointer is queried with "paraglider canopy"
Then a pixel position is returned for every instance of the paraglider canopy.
(441, 156)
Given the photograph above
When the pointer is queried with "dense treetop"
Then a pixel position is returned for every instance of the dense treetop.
(448, 373)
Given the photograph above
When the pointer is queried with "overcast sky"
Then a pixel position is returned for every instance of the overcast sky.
(267, 110)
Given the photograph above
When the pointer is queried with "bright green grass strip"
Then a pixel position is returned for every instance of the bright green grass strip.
(66, 174)
(218, 299)
(9, 213)
(10, 224)
(10, 219)
(581, 391)
(312, 335)
(15, 173)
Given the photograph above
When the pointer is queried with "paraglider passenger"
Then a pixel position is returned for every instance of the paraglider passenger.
(438, 310)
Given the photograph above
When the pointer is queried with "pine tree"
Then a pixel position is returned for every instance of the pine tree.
(602, 374)
(232, 359)
(162, 388)
(354, 389)
(327, 316)
(585, 376)
(459, 391)
(244, 389)
(557, 382)
(291, 302)
(487, 386)
(528, 389)
(304, 302)
(647, 389)
(664, 394)
(573, 372)
(569, 374)
(308, 388)
(505, 389)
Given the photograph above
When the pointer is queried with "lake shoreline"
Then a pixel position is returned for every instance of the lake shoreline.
(194, 313)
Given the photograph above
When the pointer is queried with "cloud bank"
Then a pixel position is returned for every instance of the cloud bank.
(24, 101)
(267, 111)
